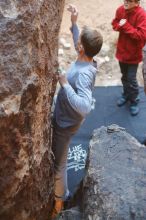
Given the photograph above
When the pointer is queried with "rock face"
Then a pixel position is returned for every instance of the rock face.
(115, 183)
(28, 61)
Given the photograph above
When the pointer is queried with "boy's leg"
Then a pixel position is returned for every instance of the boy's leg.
(60, 146)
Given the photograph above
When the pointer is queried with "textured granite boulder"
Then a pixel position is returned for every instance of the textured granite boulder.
(28, 62)
(115, 182)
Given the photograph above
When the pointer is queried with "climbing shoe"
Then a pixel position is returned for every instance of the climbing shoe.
(58, 207)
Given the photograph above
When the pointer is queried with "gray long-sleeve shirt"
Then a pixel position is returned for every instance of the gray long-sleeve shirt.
(74, 100)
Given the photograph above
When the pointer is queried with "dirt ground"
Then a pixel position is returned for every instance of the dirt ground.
(96, 14)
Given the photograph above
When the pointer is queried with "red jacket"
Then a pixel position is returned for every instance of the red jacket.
(132, 35)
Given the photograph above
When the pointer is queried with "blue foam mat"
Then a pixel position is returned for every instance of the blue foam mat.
(106, 112)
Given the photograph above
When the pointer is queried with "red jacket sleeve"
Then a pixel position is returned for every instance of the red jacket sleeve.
(115, 22)
(138, 33)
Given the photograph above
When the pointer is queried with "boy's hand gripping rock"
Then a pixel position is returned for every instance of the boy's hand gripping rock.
(74, 13)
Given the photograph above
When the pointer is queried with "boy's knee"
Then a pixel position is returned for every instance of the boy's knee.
(58, 167)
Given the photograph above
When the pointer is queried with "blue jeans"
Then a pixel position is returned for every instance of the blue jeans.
(129, 81)
(60, 146)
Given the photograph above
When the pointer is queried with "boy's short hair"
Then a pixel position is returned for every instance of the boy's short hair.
(91, 40)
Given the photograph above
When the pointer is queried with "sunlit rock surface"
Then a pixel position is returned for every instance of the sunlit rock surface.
(28, 62)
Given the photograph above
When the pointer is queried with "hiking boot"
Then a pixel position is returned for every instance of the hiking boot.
(134, 109)
(122, 101)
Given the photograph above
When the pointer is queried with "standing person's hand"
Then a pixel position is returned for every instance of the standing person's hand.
(122, 22)
(74, 13)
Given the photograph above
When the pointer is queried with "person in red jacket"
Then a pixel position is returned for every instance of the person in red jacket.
(130, 22)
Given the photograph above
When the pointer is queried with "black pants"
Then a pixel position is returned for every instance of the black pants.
(129, 81)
